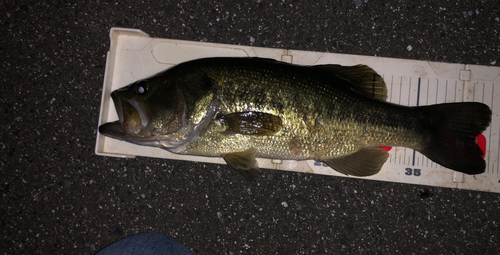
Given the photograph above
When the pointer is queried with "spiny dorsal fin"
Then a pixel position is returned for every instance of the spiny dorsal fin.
(363, 79)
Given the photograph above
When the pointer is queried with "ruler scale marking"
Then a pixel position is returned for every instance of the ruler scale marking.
(446, 93)
(474, 93)
(437, 91)
(489, 144)
(418, 104)
(418, 92)
(428, 86)
(392, 82)
(482, 100)
(409, 92)
(455, 97)
(400, 88)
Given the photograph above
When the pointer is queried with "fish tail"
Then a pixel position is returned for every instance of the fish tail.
(453, 131)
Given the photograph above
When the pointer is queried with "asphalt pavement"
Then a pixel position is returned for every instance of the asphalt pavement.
(58, 197)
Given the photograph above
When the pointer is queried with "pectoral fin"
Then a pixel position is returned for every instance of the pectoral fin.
(243, 163)
(251, 123)
(365, 162)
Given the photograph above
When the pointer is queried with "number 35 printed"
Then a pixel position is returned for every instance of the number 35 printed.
(411, 171)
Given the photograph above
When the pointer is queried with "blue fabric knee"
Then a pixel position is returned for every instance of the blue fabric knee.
(146, 244)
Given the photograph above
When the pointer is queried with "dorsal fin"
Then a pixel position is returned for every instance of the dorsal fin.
(362, 78)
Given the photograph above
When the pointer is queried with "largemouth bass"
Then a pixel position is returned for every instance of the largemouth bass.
(243, 108)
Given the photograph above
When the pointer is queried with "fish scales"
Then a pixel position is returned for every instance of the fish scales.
(320, 120)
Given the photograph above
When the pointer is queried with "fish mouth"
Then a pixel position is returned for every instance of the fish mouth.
(133, 116)
(113, 130)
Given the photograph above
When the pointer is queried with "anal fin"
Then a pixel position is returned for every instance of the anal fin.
(365, 162)
(243, 163)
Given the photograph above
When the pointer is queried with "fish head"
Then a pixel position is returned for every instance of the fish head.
(149, 111)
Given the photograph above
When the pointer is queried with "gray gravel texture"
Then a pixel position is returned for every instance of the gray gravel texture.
(58, 197)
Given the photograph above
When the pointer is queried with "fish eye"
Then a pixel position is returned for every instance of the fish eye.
(141, 87)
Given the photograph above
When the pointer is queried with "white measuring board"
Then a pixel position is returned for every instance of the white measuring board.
(133, 55)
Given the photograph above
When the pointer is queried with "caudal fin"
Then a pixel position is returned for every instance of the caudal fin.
(454, 127)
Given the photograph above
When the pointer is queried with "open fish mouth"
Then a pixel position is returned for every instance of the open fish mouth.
(133, 117)
(115, 130)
